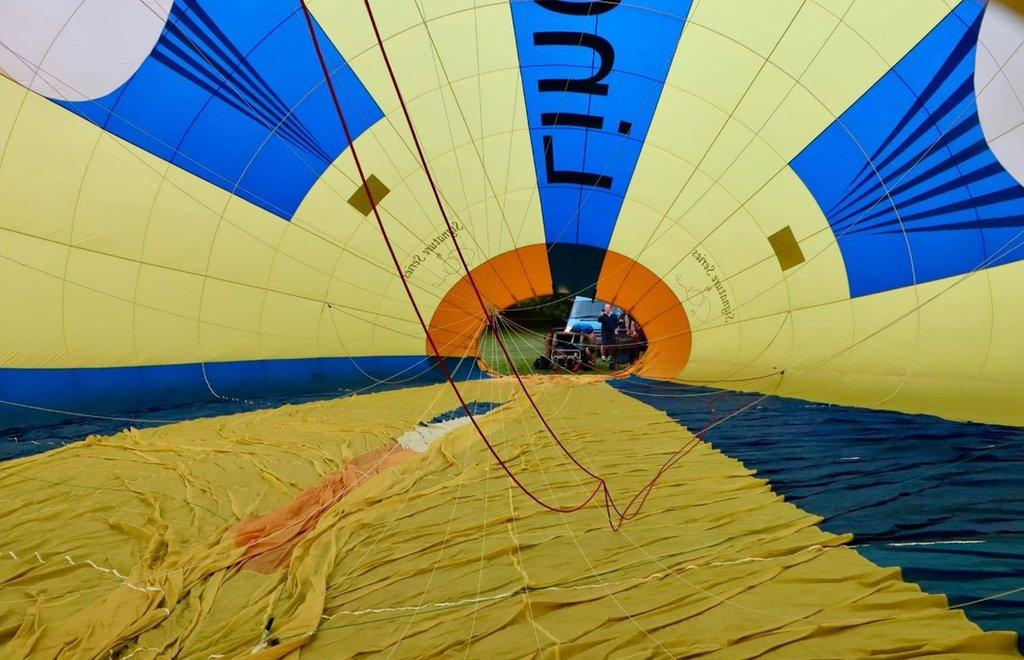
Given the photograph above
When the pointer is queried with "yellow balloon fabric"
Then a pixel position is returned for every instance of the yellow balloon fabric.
(438, 553)
(224, 204)
(829, 192)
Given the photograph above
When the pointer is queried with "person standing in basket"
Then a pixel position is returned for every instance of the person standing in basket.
(609, 320)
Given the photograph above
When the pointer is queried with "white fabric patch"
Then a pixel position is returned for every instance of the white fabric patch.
(419, 438)
(999, 84)
(77, 50)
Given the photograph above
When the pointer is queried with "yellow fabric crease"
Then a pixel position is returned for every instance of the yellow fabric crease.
(123, 544)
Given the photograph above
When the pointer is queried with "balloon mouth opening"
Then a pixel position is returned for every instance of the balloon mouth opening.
(519, 278)
(561, 334)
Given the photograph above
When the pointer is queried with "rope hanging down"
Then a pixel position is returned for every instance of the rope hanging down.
(620, 517)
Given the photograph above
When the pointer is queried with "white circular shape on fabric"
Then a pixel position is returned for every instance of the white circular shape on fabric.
(999, 84)
(77, 50)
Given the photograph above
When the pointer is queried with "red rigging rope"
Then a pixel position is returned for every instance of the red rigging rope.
(405, 283)
(458, 249)
(636, 503)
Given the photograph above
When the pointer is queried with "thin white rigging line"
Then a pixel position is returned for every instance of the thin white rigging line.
(483, 533)
(458, 105)
(713, 596)
(462, 476)
(282, 530)
(273, 131)
(477, 152)
(440, 92)
(347, 395)
(997, 596)
(570, 469)
(202, 363)
(583, 450)
(686, 21)
(517, 336)
(729, 115)
(753, 136)
(315, 233)
(441, 391)
(186, 317)
(835, 238)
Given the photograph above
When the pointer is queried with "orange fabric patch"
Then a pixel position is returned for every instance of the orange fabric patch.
(503, 281)
(524, 273)
(270, 539)
(636, 289)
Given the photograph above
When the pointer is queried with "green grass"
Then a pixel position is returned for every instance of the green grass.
(524, 345)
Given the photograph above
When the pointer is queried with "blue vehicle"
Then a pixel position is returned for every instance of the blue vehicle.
(583, 316)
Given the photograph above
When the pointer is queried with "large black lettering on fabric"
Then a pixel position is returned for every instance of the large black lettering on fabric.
(571, 119)
(570, 176)
(591, 85)
(589, 8)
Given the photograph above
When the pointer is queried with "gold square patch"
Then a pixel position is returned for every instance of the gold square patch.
(364, 204)
(787, 250)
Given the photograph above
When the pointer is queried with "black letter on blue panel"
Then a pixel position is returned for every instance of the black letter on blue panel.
(571, 119)
(570, 176)
(592, 8)
(589, 85)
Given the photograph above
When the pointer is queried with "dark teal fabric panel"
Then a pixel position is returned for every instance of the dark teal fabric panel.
(475, 407)
(943, 500)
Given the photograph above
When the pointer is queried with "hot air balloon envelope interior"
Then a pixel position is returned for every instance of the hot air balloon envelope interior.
(506, 328)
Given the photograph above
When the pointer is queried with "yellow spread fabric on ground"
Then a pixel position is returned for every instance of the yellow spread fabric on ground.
(130, 545)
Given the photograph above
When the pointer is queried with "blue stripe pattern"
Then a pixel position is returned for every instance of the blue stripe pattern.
(906, 178)
(236, 96)
(123, 390)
